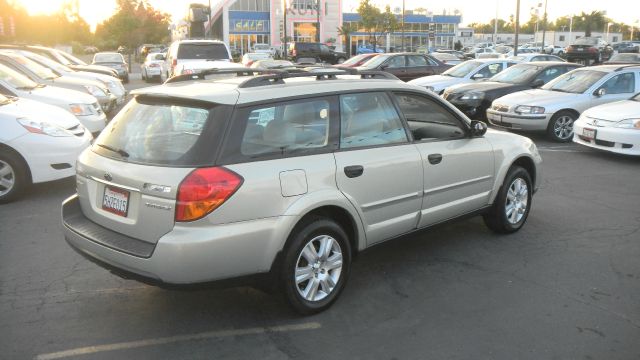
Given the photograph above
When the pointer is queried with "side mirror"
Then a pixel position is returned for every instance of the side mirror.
(477, 76)
(600, 92)
(478, 128)
(537, 83)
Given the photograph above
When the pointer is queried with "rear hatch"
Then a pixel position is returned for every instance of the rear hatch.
(201, 52)
(128, 180)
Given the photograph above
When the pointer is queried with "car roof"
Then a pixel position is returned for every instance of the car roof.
(191, 41)
(228, 91)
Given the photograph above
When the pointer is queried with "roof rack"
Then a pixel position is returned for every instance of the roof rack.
(626, 66)
(216, 71)
(278, 78)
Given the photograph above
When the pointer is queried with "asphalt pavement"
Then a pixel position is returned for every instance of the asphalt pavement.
(567, 286)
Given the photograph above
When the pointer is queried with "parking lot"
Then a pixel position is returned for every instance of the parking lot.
(567, 286)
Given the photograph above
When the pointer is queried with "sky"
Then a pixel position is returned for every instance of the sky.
(627, 11)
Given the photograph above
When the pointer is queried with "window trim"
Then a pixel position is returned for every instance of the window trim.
(464, 125)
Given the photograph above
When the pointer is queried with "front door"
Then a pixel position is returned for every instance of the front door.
(458, 169)
(377, 168)
(619, 87)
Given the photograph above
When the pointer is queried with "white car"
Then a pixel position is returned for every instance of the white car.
(250, 58)
(463, 73)
(557, 105)
(612, 127)
(554, 49)
(153, 67)
(536, 57)
(38, 143)
(193, 56)
(84, 106)
(264, 48)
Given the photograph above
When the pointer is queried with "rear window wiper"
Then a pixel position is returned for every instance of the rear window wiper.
(117, 151)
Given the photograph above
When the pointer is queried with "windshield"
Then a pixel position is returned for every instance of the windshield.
(70, 59)
(46, 62)
(375, 61)
(577, 81)
(40, 71)
(203, 51)
(354, 60)
(15, 79)
(626, 57)
(108, 58)
(461, 70)
(152, 133)
(586, 41)
(518, 74)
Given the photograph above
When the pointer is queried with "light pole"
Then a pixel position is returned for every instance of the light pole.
(402, 35)
(608, 26)
(515, 48)
(318, 21)
(544, 25)
(570, 28)
(285, 51)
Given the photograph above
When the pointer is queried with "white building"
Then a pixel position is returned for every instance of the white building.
(504, 38)
(565, 38)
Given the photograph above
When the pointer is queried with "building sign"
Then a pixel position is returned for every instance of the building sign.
(303, 7)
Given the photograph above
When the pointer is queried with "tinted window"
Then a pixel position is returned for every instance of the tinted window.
(396, 62)
(416, 61)
(427, 119)
(285, 127)
(369, 119)
(490, 70)
(462, 69)
(620, 84)
(202, 51)
(154, 134)
(116, 58)
(550, 74)
(518, 74)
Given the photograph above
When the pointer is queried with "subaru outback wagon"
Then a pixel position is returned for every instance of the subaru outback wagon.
(287, 175)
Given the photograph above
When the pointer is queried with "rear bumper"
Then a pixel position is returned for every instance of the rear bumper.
(186, 255)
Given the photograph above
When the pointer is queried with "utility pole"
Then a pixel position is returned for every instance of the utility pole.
(495, 27)
(285, 51)
(209, 22)
(515, 48)
(402, 36)
(544, 25)
(318, 21)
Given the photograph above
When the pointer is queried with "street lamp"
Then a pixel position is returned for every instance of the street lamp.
(608, 26)
(285, 51)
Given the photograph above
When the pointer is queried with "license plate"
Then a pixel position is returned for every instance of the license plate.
(589, 133)
(580, 49)
(115, 201)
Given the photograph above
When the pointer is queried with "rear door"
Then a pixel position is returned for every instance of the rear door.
(377, 168)
(458, 169)
(418, 66)
(396, 65)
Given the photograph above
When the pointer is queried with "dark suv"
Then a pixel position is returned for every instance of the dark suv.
(305, 51)
(588, 48)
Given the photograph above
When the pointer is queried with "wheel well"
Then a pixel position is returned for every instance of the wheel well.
(9, 149)
(528, 165)
(343, 218)
(577, 114)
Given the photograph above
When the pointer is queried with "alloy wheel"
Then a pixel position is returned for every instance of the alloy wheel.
(318, 268)
(517, 201)
(563, 127)
(7, 178)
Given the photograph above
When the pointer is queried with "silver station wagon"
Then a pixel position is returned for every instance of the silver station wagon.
(286, 175)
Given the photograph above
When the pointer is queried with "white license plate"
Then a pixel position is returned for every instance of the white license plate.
(589, 133)
(580, 49)
(115, 201)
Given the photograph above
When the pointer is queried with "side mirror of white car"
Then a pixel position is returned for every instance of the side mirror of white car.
(478, 128)
(477, 76)
(600, 92)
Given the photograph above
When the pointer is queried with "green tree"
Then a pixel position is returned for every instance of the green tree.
(345, 31)
(375, 22)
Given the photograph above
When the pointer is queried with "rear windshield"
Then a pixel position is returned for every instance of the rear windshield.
(203, 51)
(586, 41)
(105, 58)
(159, 134)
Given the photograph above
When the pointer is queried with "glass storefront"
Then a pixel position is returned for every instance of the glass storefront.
(243, 43)
(304, 31)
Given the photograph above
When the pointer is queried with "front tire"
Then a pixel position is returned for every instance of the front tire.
(560, 126)
(512, 204)
(316, 265)
(14, 177)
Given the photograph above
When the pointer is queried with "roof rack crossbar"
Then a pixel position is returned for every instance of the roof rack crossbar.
(278, 78)
(216, 71)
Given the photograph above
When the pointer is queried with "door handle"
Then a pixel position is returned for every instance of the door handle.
(435, 158)
(353, 171)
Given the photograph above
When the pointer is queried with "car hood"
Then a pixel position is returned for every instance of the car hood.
(38, 111)
(57, 96)
(438, 82)
(480, 86)
(538, 97)
(619, 110)
(75, 82)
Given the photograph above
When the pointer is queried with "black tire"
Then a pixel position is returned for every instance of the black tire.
(599, 58)
(309, 233)
(560, 126)
(496, 218)
(14, 170)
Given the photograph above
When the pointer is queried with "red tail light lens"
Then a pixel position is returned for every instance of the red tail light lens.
(174, 63)
(204, 190)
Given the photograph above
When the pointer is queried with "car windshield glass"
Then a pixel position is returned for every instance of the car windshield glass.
(151, 133)
(39, 70)
(70, 59)
(375, 61)
(576, 82)
(626, 57)
(354, 60)
(46, 62)
(16, 79)
(203, 51)
(108, 58)
(462, 69)
(586, 41)
(518, 74)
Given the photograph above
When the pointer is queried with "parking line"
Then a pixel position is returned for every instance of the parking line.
(173, 339)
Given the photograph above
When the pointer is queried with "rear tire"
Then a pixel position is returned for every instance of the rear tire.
(512, 204)
(315, 266)
(14, 176)
(560, 126)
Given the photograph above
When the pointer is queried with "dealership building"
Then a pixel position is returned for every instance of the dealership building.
(242, 23)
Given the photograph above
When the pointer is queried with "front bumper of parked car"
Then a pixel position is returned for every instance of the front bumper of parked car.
(514, 121)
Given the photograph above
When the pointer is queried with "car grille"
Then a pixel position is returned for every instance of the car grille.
(77, 130)
(500, 108)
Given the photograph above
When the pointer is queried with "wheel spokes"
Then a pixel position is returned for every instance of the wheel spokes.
(309, 253)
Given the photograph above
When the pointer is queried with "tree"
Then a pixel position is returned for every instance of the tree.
(595, 19)
(345, 31)
(375, 22)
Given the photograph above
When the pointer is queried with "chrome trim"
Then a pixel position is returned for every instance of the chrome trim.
(456, 185)
(385, 202)
(113, 184)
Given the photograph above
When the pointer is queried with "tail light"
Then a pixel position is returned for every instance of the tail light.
(204, 190)
(174, 63)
